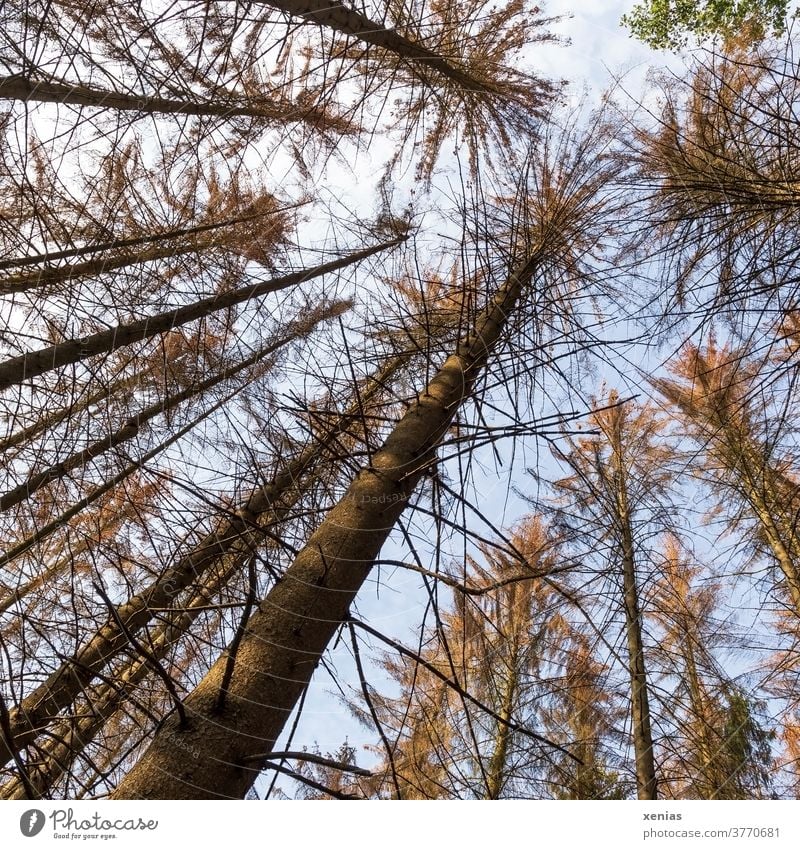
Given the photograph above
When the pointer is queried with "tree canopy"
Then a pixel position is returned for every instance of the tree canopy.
(672, 24)
(379, 421)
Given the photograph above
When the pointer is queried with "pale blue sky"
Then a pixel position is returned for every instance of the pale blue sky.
(600, 51)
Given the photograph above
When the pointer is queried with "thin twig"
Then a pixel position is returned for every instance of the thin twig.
(461, 691)
(153, 661)
(310, 782)
(240, 631)
(373, 713)
(311, 758)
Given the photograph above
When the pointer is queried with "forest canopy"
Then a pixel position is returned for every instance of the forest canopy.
(381, 419)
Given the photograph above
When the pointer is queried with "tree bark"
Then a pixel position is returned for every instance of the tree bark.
(217, 755)
(238, 532)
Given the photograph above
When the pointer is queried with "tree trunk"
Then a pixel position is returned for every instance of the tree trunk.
(646, 782)
(336, 16)
(221, 751)
(698, 701)
(496, 772)
(132, 427)
(35, 363)
(238, 532)
(19, 87)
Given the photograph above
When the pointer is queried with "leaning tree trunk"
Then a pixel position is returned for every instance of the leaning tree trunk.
(236, 533)
(72, 735)
(122, 243)
(341, 19)
(132, 427)
(237, 712)
(224, 105)
(32, 364)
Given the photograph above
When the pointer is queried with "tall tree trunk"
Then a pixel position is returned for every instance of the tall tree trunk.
(646, 782)
(340, 18)
(497, 771)
(35, 363)
(132, 427)
(238, 532)
(221, 751)
(19, 87)
(698, 702)
(131, 242)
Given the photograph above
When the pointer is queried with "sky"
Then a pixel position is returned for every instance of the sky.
(600, 50)
(596, 54)
(599, 53)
